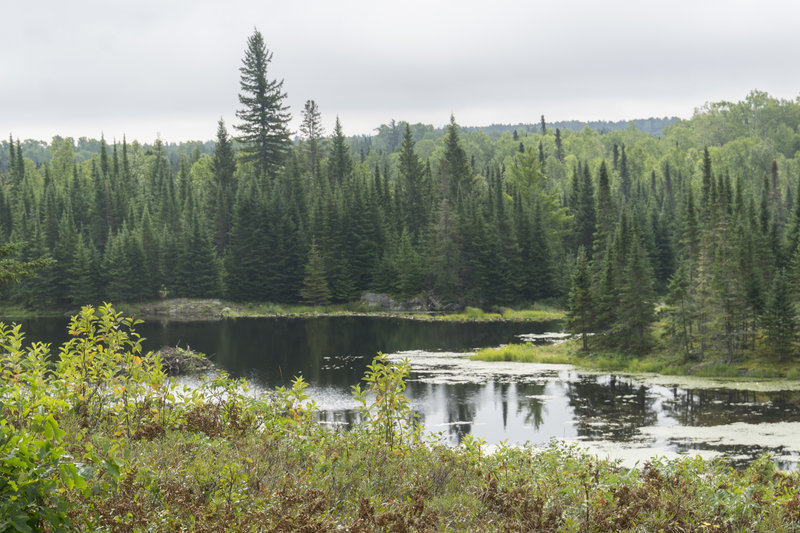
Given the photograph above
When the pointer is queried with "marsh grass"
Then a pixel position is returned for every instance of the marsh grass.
(660, 361)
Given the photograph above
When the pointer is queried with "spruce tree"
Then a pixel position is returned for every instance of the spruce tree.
(340, 162)
(780, 323)
(624, 175)
(312, 128)
(264, 126)
(581, 304)
(606, 214)
(224, 193)
(456, 175)
(315, 289)
(559, 146)
(82, 288)
(412, 187)
(585, 215)
(246, 253)
(680, 315)
(636, 299)
(196, 269)
(705, 199)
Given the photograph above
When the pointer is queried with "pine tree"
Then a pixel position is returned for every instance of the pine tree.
(264, 118)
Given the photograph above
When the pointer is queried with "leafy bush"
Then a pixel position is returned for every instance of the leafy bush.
(390, 414)
(33, 463)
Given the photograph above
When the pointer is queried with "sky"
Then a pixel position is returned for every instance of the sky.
(170, 68)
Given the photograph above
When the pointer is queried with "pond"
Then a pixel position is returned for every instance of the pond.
(627, 417)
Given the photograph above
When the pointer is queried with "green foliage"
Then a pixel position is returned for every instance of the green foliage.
(12, 270)
(581, 305)
(780, 323)
(263, 115)
(315, 287)
(390, 413)
(102, 370)
(34, 466)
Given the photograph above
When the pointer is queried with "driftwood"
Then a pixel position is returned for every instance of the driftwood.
(176, 360)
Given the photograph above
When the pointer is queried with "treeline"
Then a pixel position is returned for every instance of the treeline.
(704, 219)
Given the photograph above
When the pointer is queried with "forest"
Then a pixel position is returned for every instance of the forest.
(697, 225)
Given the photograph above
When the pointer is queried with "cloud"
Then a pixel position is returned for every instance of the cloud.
(74, 68)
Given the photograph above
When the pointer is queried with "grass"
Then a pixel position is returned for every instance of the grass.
(226, 309)
(536, 314)
(661, 360)
(570, 352)
(21, 312)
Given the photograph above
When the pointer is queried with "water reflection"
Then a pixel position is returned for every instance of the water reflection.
(610, 408)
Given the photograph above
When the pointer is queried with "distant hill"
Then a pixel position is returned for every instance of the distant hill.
(653, 126)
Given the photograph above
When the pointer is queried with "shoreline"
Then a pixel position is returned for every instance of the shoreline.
(212, 309)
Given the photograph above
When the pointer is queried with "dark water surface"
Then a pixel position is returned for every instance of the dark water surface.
(631, 418)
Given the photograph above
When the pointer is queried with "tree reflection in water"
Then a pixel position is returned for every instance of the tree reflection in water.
(610, 407)
(531, 403)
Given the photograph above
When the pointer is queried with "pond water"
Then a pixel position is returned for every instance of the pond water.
(630, 418)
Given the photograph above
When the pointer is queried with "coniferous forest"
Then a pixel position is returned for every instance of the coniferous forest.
(697, 223)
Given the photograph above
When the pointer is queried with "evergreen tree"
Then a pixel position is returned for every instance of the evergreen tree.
(585, 216)
(410, 269)
(581, 305)
(340, 163)
(312, 128)
(456, 176)
(264, 118)
(559, 146)
(244, 279)
(632, 327)
(82, 278)
(606, 215)
(412, 187)
(315, 289)
(707, 181)
(680, 315)
(224, 194)
(197, 273)
(624, 175)
(780, 323)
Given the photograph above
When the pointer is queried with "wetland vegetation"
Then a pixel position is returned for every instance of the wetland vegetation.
(103, 441)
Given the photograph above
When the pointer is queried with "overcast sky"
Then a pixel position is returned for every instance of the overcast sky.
(145, 68)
